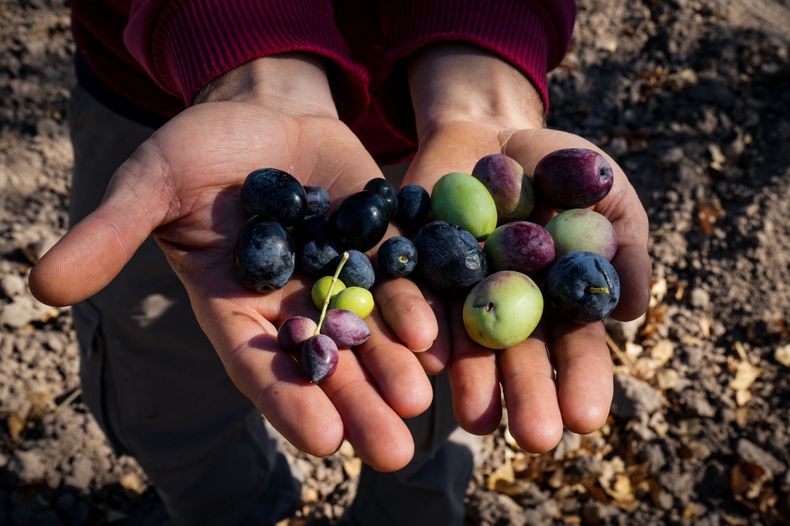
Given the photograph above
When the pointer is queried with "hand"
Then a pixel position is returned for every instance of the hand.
(469, 104)
(183, 186)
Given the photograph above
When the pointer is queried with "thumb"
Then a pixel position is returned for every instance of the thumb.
(95, 250)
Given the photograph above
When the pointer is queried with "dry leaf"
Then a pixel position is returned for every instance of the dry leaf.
(40, 404)
(346, 449)
(708, 214)
(17, 422)
(352, 467)
(742, 397)
(131, 482)
(782, 355)
(690, 511)
(662, 352)
(658, 291)
(511, 441)
(745, 376)
(309, 494)
(520, 464)
(503, 480)
(747, 479)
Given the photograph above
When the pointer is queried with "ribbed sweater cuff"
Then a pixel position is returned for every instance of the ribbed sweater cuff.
(531, 37)
(185, 44)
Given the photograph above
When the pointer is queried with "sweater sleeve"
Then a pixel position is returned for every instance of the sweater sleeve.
(183, 44)
(532, 35)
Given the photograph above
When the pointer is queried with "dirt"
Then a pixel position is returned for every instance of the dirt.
(691, 97)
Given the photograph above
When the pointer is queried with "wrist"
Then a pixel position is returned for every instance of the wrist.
(458, 82)
(293, 83)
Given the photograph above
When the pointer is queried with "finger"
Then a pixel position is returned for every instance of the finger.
(632, 261)
(395, 370)
(379, 436)
(530, 394)
(405, 311)
(437, 357)
(95, 250)
(247, 345)
(621, 206)
(584, 375)
(474, 382)
(454, 147)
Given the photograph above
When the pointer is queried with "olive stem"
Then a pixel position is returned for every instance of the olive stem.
(598, 290)
(329, 293)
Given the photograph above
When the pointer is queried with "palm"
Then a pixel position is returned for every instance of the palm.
(538, 405)
(183, 186)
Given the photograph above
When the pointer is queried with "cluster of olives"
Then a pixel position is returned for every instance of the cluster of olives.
(470, 239)
(481, 246)
(288, 228)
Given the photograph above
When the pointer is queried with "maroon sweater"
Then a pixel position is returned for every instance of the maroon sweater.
(156, 54)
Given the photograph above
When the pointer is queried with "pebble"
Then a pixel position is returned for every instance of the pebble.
(634, 398)
(12, 285)
(753, 453)
(30, 466)
(700, 298)
(18, 313)
(624, 331)
(697, 403)
(82, 473)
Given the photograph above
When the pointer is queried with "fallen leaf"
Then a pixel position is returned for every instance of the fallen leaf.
(658, 291)
(352, 467)
(346, 449)
(503, 480)
(708, 213)
(130, 481)
(16, 424)
(309, 494)
(782, 355)
(745, 376)
(690, 511)
(747, 479)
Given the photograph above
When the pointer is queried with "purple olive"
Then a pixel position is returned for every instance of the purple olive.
(521, 246)
(572, 178)
(319, 357)
(293, 333)
(345, 328)
(508, 184)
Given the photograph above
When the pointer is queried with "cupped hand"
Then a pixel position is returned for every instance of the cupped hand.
(183, 186)
(561, 376)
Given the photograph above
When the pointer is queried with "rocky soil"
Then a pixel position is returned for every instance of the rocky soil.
(692, 97)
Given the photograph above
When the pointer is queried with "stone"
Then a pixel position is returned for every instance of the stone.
(753, 453)
(12, 285)
(18, 313)
(700, 298)
(30, 466)
(624, 331)
(697, 404)
(82, 473)
(634, 398)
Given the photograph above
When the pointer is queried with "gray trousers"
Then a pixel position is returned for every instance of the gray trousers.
(153, 382)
